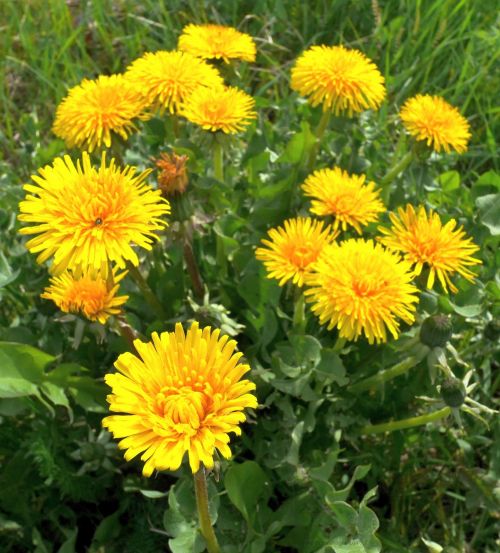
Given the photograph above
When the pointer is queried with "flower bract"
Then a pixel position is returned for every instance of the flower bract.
(338, 78)
(87, 217)
(361, 288)
(217, 42)
(350, 200)
(94, 110)
(183, 393)
(224, 108)
(293, 248)
(426, 242)
(91, 295)
(166, 78)
(433, 120)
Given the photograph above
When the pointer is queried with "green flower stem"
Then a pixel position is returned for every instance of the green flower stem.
(299, 314)
(146, 291)
(406, 423)
(200, 487)
(218, 160)
(397, 168)
(320, 131)
(384, 376)
(192, 267)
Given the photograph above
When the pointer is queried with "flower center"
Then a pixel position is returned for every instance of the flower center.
(302, 256)
(182, 405)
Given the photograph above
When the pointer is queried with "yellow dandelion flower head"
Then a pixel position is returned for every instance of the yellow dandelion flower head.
(223, 108)
(94, 110)
(89, 217)
(341, 79)
(434, 120)
(217, 42)
(88, 293)
(345, 197)
(167, 78)
(361, 288)
(425, 241)
(291, 251)
(183, 394)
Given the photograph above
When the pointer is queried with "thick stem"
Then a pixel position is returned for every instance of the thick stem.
(192, 267)
(393, 172)
(148, 294)
(384, 376)
(320, 131)
(299, 315)
(397, 168)
(406, 423)
(218, 155)
(200, 487)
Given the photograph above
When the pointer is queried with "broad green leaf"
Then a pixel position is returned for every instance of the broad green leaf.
(245, 484)
(489, 212)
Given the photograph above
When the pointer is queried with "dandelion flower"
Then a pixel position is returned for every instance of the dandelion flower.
(224, 108)
(340, 79)
(89, 217)
(440, 124)
(167, 78)
(345, 197)
(182, 395)
(361, 288)
(173, 174)
(92, 295)
(94, 110)
(425, 241)
(292, 250)
(217, 42)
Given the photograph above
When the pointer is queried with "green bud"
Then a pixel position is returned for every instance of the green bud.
(453, 392)
(436, 331)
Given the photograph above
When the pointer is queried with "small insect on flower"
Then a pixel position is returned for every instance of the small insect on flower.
(361, 288)
(165, 79)
(95, 110)
(293, 248)
(89, 294)
(433, 120)
(341, 79)
(426, 242)
(217, 42)
(88, 218)
(346, 197)
(183, 393)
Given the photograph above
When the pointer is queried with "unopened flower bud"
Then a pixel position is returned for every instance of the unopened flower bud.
(173, 174)
(436, 331)
(453, 392)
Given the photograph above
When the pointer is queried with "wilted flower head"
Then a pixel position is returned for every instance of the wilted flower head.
(223, 108)
(340, 79)
(293, 248)
(345, 197)
(167, 78)
(217, 42)
(182, 394)
(361, 288)
(94, 110)
(172, 177)
(87, 217)
(426, 242)
(434, 120)
(91, 295)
